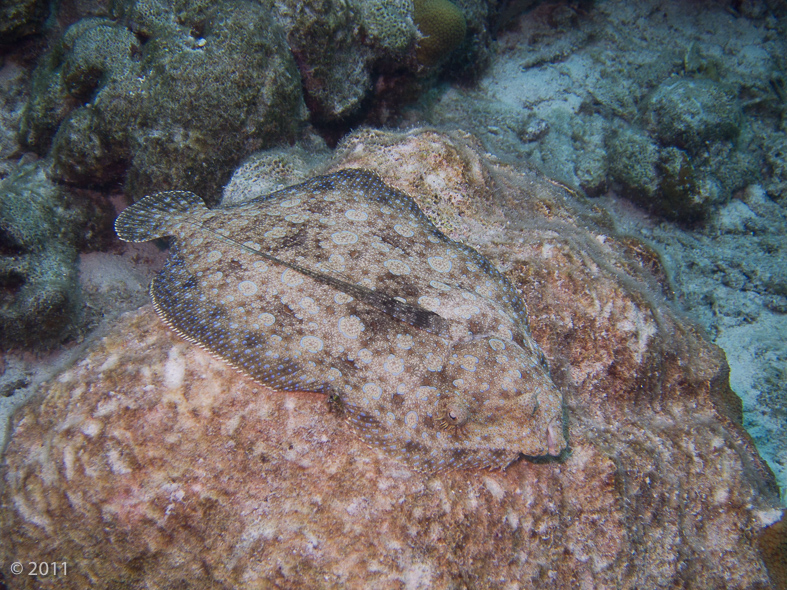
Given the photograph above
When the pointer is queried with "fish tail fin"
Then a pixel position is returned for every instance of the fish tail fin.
(156, 215)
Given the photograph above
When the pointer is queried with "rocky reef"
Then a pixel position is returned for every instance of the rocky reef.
(40, 230)
(149, 463)
(677, 121)
(159, 94)
(162, 102)
(19, 19)
(685, 160)
(348, 51)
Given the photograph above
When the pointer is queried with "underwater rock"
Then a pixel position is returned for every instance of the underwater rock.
(340, 46)
(19, 18)
(344, 50)
(690, 112)
(333, 62)
(388, 24)
(732, 277)
(183, 108)
(773, 544)
(679, 196)
(14, 84)
(149, 463)
(659, 179)
(271, 170)
(39, 231)
(633, 160)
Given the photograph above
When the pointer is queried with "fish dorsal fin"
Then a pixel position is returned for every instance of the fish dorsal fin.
(156, 215)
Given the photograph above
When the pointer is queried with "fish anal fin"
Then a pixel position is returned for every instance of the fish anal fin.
(176, 298)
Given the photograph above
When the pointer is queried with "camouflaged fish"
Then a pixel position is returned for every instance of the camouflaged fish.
(342, 285)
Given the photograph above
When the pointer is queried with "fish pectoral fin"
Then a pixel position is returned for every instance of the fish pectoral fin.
(359, 417)
(368, 427)
(410, 313)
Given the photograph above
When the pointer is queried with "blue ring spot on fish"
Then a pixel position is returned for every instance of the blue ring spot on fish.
(311, 343)
(373, 390)
(248, 288)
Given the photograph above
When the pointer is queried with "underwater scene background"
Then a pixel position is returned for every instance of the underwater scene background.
(623, 165)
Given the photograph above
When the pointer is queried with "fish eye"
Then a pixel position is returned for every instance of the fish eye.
(457, 413)
(454, 413)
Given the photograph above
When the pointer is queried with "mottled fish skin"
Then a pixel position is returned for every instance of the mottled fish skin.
(342, 285)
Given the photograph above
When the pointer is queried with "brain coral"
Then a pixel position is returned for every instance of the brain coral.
(443, 27)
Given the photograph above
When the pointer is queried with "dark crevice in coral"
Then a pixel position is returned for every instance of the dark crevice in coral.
(333, 131)
(394, 92)
(8, 245)
(10, 285)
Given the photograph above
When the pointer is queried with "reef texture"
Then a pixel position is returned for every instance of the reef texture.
(665, 169)
(150, 464)
(39, 234)
(160, 94)
(677, 122)
(691, 112)
(19, 18)
(773, 544)
(271, 170)
(14, 83)
(334, 65)
(171, 102)
(345, 50)
(732, 277)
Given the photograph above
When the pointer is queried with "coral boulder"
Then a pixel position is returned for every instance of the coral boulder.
(151, 464)
(166, 103)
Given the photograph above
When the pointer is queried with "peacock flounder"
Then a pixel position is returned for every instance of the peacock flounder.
(341, 285)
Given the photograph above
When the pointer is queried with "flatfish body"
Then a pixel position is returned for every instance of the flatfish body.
(341, 285)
